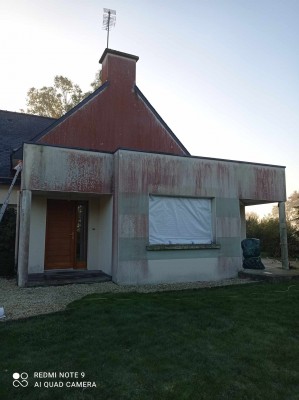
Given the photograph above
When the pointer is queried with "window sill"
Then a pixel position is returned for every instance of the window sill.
(161, 247)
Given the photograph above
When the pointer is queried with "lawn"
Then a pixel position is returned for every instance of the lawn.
(238, 342)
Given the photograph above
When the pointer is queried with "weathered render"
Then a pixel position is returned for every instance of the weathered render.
(117, 187)
(48, 168)
(230, 184)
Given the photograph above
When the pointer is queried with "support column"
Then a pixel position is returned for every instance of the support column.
(283, 235)
(24, 234)
(242, 221)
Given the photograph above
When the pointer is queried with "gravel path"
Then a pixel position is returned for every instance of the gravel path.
(26, 302)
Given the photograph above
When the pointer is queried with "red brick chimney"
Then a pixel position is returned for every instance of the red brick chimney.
(119, 68)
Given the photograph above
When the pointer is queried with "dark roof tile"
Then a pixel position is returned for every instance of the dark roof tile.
(16, 128)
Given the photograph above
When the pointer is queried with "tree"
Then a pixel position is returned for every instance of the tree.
(292, 209)
(54, 101)
(252, 225)
(97, 80)
(267, 229)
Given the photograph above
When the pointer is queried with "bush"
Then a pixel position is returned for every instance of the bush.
(267, 230)
(7, 243)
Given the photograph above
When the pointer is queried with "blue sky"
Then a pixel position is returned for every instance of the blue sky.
(223, 74)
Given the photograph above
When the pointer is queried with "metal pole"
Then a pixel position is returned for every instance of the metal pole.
(283, 235)
(108, 28)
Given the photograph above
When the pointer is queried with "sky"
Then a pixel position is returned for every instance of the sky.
(223, 74)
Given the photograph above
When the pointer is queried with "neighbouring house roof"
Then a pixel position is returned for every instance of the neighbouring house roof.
(16, 128)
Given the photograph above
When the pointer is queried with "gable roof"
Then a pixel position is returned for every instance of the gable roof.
(161, 120)
(16, 128)
(58, 121)
(39, 137)
(116, 115)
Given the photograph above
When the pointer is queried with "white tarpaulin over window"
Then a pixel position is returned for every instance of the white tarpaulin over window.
(179, 220)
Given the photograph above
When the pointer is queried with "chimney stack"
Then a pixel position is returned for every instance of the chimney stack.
(119, 68)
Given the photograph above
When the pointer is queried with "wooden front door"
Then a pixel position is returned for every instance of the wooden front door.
(66, 233)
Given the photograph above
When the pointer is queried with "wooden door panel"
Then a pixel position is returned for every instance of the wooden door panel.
(60, 246)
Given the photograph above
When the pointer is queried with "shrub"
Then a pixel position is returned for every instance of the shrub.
(7, 242)
(267, 230)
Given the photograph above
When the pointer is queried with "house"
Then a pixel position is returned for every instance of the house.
(110, 187)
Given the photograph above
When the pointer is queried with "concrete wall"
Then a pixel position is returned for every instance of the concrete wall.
(105, 242)
(139, 174)
(131, 177)
(243, 221)
(47, 168)
(100, 234)
(93, 237)
(37, 234)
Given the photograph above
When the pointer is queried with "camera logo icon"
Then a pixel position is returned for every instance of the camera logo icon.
(20, 379)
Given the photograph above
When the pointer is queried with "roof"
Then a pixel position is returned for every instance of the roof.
(56, 122)
(83, 103)
(16, 128)
(161, 120)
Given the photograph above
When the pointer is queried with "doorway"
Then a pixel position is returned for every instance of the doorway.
(66, 235)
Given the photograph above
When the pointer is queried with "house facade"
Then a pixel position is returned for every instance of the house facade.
(109, 187)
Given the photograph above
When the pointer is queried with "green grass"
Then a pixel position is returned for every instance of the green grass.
(239, 342)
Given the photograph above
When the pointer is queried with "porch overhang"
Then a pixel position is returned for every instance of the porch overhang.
(58, 169)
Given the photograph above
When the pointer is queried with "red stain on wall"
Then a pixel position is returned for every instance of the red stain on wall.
(117, 117)
(265, 182)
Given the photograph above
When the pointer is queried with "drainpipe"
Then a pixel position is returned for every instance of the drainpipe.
(283, 235)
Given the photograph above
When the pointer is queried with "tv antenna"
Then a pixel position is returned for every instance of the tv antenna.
(109, 19)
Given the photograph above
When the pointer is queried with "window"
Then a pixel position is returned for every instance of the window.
(180, 220)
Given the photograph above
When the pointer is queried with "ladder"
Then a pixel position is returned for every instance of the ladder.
(18, 169)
